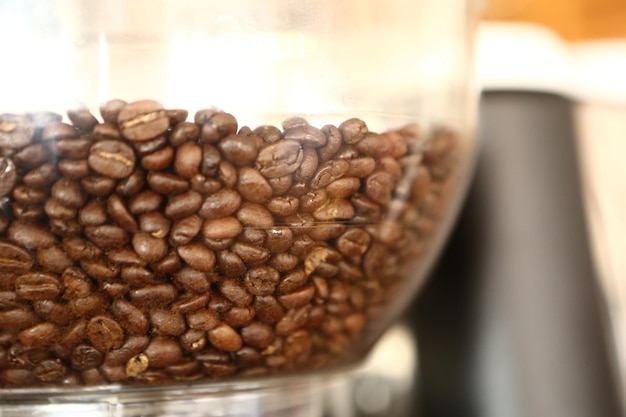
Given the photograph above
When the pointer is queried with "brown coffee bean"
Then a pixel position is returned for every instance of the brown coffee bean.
(125, 256)
(88, 306)
(183, 205)
(14, 320)
(197, 256)
(58, 131)
(193, 340)
(268, 309)
(353, 130)
(217, 124)
(41, 176)
(217, 244)
(54, 209)
(142, 120)
(189, 303)
(104, 333)
(225, 338)
(252, 236)
(82, 119)
(167, 323)
(136, 365)
(115, 289)
(235, 292)
(261, 280)
(51, 370)
(74, 334)
(132, 184)
(111, 158)
(307, 136)
(253, 186)
(280, 159)
(354, 242)
(53, 259)
(335, 210)
(166, 184)
(343, 187)
(85, 357)
(313, 200)
(26, 195)
(144, 202)
(133, 346)
(42, 334)
(184, 230)
(176, 116)
(203, 320)
(168, 265)
(100, 269)
(283, 206)
(221, 204)
(257, 335)
(110, 110)
(31, 156)
(227, 173)
(14, 260)
(130, 317)
(333, 142)
(154, 295)
(98, 186)
(29, 236)
(379, 187)
(37, 286)
(8, 176)
(30, 213)
(120, 214)
(298, 298)
(155, 223)
(191, 280)
(107, 236)
(137, 276)
(328, 172)
(269, 134)
(94, 213)
(79, 249)
(16, 131)
(278, 239)
(210, 160)
(239, 316)
(310, 162)
(250, 254)
(149, 248)
(150, 146)
(184, 132)
(255, 215)
(224, 228)
(187, 160)
(162, 352)
(105, 131)
(281, 185)
(158, 160)
(239, 150)
(229, 264)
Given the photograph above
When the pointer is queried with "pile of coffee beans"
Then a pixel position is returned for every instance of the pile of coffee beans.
(145, 248)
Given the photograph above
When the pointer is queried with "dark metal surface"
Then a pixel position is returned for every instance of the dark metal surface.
(511, 324)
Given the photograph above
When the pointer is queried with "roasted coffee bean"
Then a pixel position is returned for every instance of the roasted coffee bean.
(253, 186)
(167, 323)
(224, 228)
(204, 185)
(257, 335)
(73, 169)
(166, 184)
(28, 195)
(340, 209)
(37, 286)
(176, 116)
(333, 142)
(42, 334)
(294, 121)
(89, 306)
(183, 205)
(203, 320)
(278, 239)
(210, 159)
(361, 167)
(293, 281)
(261, 280)
(41, 176)
(162, 352)
(280, 158)
(14, 260)
(79, 249)
(353, 130)
(310, 162)
(98, 186)
(112, 158)
(144, 202)
(197, 256)
(221, 204)
(50, 370)
(218, 125)
(252, 236)
(155, 223)
(106, 131)
(158, 160)
(217, 244)
(137, 275)
(104, 333)
(188, 158)
(16, 131)
(268, 309)
(154, 295)
(8, 176)
(250, 254)
(31, 156)
(149, 248)
(54, 209)
(239, 316)
(184, 230)
(229, 264)
(283, 206)
(191, 280)
(120, 214)
(14, 378)
(379, 187)
(168, 265)
(100, 269)
(130, 317)
(269, 134)
(184, 132)
(142, 120)
(82, 119)
(110, 110)
(235, 292)
(281, 185)
(132, 184)
(85, 357)
(107, 236)
(313, 200)
(115, 289)
(307, 136)
(329, 172)
(193, 340)
(227, 174)
(343, 187)
(132, 347)
(150, 146)
(255, 215)
(225, 338)
(53, 259)
(188, 303)
(17, 319)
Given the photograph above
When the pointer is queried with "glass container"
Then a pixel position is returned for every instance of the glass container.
(217, 200)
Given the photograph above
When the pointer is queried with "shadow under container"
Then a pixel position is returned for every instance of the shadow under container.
(220, 197)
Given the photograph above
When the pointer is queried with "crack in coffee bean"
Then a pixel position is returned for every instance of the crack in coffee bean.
(148, 248)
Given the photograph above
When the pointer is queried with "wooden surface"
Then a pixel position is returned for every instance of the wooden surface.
(574, 20)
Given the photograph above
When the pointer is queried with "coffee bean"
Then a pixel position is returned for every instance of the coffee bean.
(183, 205)
(310, 162)
(278, 239)
(89, 306)
(150, 146)
(85, 357)
(158, 160)
(57, 132)
(343, 187)
(54, 209)
(166, 184)
(16, 131)
(252, 236)
(191, 280)
(280, 158)
(293, 281)
(100, 269)
(142, 120)
(224, 228)
(197, 256)
(149, 248)
(217, 244)
(28, 195)
(106, 131)
(14, 260)
(184, 132)
(104, 333)
(50, 370)
(120, 214)
(268, 309)
(82, 119)
(137, 275)
(261, 280)
(168, 265)
(111, 158)
(132, 347)
(329, 172)
(42, 334)
(79, 249)
(239, 316)
(379, 187)
(193, 340)
(253, 186)
(283, 206)
(53, 259)
(130, 317)
(255, 215)
(162, 352)
(269, 134)
(307, 136)
(183, 230)
(187, 160)
(167, 323)
(189, 303)
(221, 204)
(335, 210)
(132, 184)
(154, 295)
(8, 176)
(250, 254)
(225, 338)
(98, 186)
(107, 236)
(203, 320)
(110, 110)
(115, 289)
(14, 320)
(37, 286)
(217, 124)
(333, 142)
(229, 264)
(73, 169)
(31, 156)
(41, 176)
